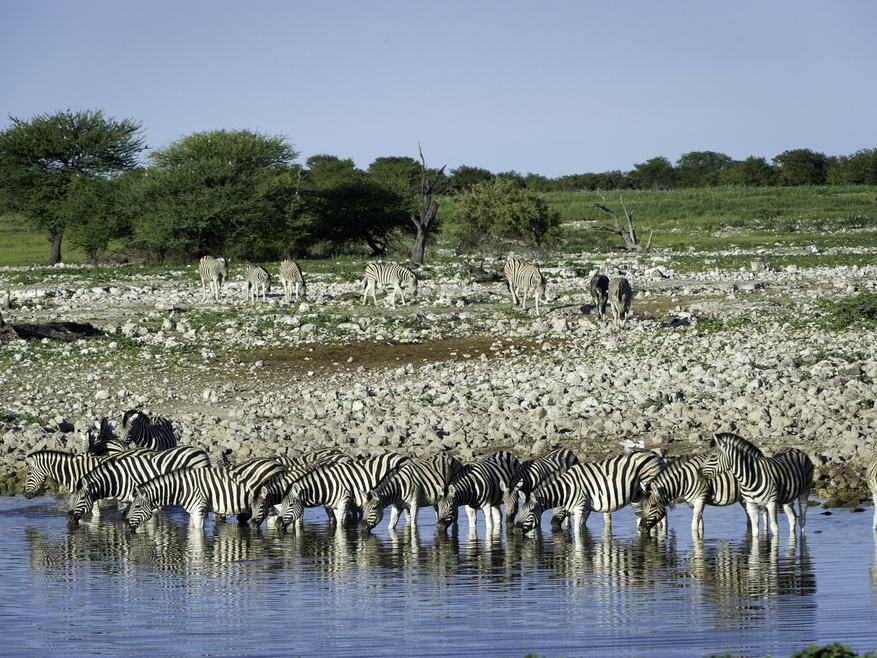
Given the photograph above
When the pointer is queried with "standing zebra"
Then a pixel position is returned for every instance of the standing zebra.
(65, 468)
(118, 476)
(290, 276)
(604, 486)
(600, 294)
(102, 441)
(872, 485)
(199, 491)
(522, 277)
(479, 488)
(379, 274)
(532, 474)
(156, 433)
(619, 299)
(417, 484)
(258, 280)
(213, 271)
(765, 482)
(682, 479)
(339, 488)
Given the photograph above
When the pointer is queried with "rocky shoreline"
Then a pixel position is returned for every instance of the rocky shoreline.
(454, 369)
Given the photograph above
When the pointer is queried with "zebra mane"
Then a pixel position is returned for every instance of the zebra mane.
(736, 442)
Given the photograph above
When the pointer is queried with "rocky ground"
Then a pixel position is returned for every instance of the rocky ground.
(456, 368)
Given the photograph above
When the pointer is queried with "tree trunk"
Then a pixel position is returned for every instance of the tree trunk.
(419, 242)
(54, 238)
(427, 208)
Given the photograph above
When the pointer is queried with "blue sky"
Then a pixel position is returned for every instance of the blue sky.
(552, 88)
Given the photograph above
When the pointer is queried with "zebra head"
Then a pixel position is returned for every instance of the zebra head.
(654, 511)
(140, 510)
(81, 502)
(446, 510)
(510, 500)
(292, 506)
(716, 461)
(259, 506)
(372, 511)
(36, 475)
(531, 514)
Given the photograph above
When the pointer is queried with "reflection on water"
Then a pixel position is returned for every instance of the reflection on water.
(570, 595)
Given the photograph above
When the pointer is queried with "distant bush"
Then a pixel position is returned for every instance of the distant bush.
(850, 310)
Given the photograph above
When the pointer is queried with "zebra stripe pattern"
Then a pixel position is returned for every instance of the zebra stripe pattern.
(258, 281)
(682, 479)
(871, 476)
(154, 433)
(214, 272)
(340, 488)
(199, 491)
(101, 441)
(65, 468)
(765, 482)
(387, 274)
(600, 294)
(619, 299)
(479, 488)
(604, 486)
(418, 484)
(118, 476)
(532, 474)
(522, 277)
(290, 276)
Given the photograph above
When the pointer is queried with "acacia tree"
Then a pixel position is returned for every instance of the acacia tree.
(47, 163)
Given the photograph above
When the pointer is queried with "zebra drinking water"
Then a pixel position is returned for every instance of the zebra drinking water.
(600, 294)
(522, 277)
(619, 299)
(290, 276)
(258, 280)
(65, 468)
(387, 274)
(765, 482)
(479, 488)
(532, 474)
(214, 272)
(154, 433)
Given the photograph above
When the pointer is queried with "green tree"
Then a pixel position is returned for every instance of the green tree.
(751, 172)
(464, 177)
(229, 192)
(96, 214)
(654, 174)
(700, 168)
(801, 167)
(857, 169)
(48, 163)
(501, 210)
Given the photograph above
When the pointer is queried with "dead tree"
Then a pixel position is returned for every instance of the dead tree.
(427, 207)
(631, 242)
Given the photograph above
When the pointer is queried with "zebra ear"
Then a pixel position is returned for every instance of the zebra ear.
(503, 486)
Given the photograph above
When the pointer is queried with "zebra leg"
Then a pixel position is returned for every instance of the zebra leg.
(752, 511)
(802, 509)
(771, 508)
(697, 516)
(607, 521)
(496, 512)
(394, 516)
(398, 288)
(472, 513)
(411, 515)
(793, 517)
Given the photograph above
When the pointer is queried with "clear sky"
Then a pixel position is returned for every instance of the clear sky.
(550, 87)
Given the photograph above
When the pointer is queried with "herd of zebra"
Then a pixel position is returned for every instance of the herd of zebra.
(522, 278)
(144, 467)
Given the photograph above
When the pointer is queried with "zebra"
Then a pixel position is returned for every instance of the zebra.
(339, 488)
(290, 276)
(603, 486)
(100, 440)
(765, 482)
(871, 476)
(418, 484)
(199, 491)
(118, 476)
(532, 474)
(379, 274)
(619, 299)
(682, 479)
(258, 280)
(600, 294)
(213, 271)
(154, 433)
(479, 488)
(522, 277)
(65, 468)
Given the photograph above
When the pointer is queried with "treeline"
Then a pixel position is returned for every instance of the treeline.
(79, 176)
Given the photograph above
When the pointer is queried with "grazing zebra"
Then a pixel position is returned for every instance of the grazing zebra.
(765, 482)
(118, 476)
(604, 486)
(258, 280)
(214, 272)
(600, 294)
(65, 468)
(418, 484)
(479, 488)
(872, 485)
(290, 276)
(387, 274)
(619, 299)
(154, 433)
(531, 475)
(339, 488)
(199, 491)
(681, 478)
(522, 277)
